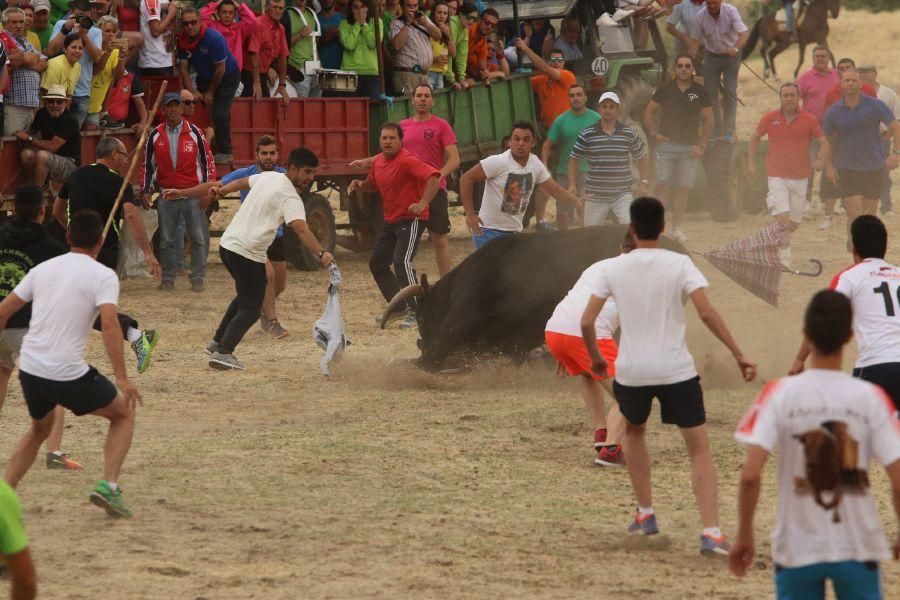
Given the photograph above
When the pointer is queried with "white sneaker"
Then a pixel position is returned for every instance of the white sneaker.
(839, 210)
(679, 235)
(825, 223)
(889, 214)
(606, 21)
(621, 14)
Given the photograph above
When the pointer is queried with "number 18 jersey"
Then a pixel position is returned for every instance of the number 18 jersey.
(873, 287)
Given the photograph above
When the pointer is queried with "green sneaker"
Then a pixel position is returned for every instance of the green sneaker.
(104, 497)
(143, 348)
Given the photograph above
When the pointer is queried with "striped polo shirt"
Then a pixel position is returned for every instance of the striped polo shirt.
(608, 157)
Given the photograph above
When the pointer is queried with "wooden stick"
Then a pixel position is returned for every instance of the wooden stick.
(137, 154)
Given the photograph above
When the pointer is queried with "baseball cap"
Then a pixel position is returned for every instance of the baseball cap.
(609, 96)
(39, 5)
(57, 91)
(171, 97)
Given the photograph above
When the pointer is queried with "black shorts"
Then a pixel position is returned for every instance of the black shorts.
(885, 375)
(828, 190)
(109, 257)
(861, 183)
(92, 391)
(275, 251)
(439, 213)
(680, 403)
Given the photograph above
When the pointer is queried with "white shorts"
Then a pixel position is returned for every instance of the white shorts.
(595, 212)
(787, 195)
(10, 345)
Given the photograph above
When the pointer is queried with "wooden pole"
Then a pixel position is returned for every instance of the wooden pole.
(137, 154)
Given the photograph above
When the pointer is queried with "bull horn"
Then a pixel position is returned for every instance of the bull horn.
(400, 298)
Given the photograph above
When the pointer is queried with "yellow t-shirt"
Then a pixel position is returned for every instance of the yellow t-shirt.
(60, 72)
(101, 82)
(439, 48)
(33, 39)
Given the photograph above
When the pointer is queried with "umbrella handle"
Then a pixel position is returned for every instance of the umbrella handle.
(819, 268)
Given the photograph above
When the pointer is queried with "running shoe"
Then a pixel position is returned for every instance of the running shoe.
(197, 285)
(714, 547)
(643, 525)
(839, 210)
(825, 223)
(107, 122)
(144, 347)
(166, 286)
(278, 332)
(211, 348)
(599, 438)
(225, 362)
(105, 497)
(61, 461)
(608, 457)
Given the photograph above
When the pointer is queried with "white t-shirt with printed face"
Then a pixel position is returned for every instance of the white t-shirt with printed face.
(154, 54)
(873, 287)
(805, 533)
(67, 293)
(272, 200)
(508, 189)
(566, 318)
(649, 286)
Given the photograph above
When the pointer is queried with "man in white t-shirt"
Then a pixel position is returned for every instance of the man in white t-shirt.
(156, 24)
(827, 427)
(510, 179)
(648, 286)
(873, 286)
(67, 292)
(273, 200)
(563, 337)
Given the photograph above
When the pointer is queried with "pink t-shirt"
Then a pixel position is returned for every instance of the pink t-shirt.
(427, 140)
(814, 87)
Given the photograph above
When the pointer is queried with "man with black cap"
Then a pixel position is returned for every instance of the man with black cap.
(177, 156)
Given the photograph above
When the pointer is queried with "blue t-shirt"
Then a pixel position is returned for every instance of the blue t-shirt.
(211, 50)
(247, 172)
(857, 144)
(331, 53)
(83, 87)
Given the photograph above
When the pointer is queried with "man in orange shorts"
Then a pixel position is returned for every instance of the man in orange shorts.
(563, 337)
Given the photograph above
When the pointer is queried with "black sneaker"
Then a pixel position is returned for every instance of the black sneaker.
(166, 286)
(107, 122)
(197, 285)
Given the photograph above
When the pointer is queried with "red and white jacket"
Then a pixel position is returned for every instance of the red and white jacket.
(195, 164)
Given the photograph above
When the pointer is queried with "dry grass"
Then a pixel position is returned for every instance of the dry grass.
(390, 483)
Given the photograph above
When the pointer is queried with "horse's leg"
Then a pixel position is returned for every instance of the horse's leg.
(802, 45)
(780, 45)
(764, 52)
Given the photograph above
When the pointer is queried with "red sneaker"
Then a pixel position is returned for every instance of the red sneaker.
(599, 438)
(610, 458)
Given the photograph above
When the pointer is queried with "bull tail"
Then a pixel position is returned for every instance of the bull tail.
(751, 41)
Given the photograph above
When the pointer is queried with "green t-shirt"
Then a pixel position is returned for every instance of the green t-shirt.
(12, 531)
(564, 132)
(302, 51)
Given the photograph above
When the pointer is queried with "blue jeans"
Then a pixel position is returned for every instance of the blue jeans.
(170, 213)
(852, 580)
(488, 235)
(79, 108)
(789, 15)
(724, 68)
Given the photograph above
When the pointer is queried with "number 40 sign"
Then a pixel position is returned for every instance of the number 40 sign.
(600, 65)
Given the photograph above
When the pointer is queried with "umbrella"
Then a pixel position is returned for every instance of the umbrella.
(328, 331)
(755, 261)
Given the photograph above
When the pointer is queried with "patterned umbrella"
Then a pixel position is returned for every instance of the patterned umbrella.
(755, 264)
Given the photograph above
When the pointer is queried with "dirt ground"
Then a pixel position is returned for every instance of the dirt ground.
(387, 482)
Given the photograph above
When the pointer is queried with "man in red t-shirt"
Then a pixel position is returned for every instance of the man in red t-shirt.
(268, 46)
(791, 131)
(406, 185)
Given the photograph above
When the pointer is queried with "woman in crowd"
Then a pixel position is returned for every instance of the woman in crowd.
(114, 68)
(357, 35)
(65, 68)
(443, 49)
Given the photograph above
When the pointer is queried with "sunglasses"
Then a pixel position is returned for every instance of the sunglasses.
(557, 60)
(54, 101)
(472, 17)
(192, 22)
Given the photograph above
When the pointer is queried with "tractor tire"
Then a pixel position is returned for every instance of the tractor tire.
(366, 215)
(726, 177)
(320, 218)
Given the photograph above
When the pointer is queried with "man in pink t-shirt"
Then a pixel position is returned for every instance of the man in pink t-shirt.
(432, 140)
(815, 83)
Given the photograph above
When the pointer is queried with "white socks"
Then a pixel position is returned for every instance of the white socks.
(133, 334)
(644, 512)
(713, 532)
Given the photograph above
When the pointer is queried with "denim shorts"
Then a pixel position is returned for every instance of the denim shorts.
(674, 164)
(851, 579)
(487, 235)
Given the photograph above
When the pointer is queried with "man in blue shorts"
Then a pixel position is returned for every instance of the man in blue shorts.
(66, 294)
(827, 427)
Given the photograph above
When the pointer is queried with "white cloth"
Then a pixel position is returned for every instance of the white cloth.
(272, 200)
(596, 211)
(154, 53)
(787, 195)
(804, 532)
(131, 258)
(508, 190)
(67, 292)
(872, 287)
(889, 97)
(566, 317)
(328, 331)
(649, 287)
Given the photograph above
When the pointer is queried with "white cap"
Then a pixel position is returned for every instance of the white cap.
(609, 96)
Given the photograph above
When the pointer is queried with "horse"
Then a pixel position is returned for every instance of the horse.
(811, 28)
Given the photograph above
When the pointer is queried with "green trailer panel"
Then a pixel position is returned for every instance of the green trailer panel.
(480, 115)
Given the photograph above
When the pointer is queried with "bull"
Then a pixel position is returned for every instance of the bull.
(498, 300)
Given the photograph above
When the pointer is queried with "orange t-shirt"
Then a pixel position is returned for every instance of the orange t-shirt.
(553, 95)
(477, 51)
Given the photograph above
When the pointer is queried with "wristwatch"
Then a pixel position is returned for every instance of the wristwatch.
(321, 254)
(30, 139)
